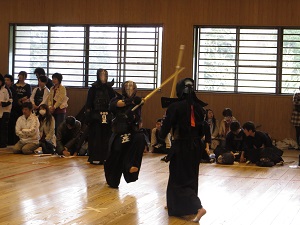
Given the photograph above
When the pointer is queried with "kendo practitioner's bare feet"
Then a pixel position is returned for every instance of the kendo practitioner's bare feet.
(66, 153)
(133, 169)
(201, 212)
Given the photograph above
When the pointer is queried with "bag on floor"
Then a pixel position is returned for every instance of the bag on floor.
(226, 158)
(272, 153)
(265, 162)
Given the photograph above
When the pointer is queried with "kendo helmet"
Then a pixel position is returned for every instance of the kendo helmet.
(185, 87)
(129, 89)
(102, 75)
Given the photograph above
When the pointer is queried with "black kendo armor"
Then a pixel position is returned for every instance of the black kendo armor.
(125, 120)
(121, 122)
(185, 91)
(101, 100)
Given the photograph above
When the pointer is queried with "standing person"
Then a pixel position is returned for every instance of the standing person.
(99, 117)
(41, 72)
(23, 91)
(47, 130)
(5, 108)
(12, 138)
(126, 143)
(57, 100)
(296, 115)
(27, 128)
(185, 118)
(40, 94)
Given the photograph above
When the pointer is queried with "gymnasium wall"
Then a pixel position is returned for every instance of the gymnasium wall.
(177, 17)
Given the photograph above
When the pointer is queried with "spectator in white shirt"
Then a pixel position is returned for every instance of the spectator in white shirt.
(27, 128)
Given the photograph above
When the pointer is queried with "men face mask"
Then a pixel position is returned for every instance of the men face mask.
(103, 77)
(188, 87)
(129, 88)
(42, 112)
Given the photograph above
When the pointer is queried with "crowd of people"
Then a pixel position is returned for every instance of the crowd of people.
(226, 142)
(36, 122)
(188, 133)
(31, 118)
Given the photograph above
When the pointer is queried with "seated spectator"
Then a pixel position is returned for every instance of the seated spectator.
(41, 72)
(214, 128)
(206, 156)
(235, 141)
(40, 94)
(83, 144)
(259, 146)
(225, 125)
(157, 144)
(5, 108)
(68, 136)
(235, 146)
(47, 127)
(27, 128)
(146, 132)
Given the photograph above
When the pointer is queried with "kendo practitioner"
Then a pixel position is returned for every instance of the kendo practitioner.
(185, 118)
(127, 142)
(98, 117)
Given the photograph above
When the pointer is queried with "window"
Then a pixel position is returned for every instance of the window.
(290, 60)
(252, 60)
(126, 52)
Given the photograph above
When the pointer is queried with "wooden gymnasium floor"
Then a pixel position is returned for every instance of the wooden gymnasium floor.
(52, 190)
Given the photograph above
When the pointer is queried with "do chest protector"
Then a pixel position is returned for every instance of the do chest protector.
(101, 100)
(120, 124)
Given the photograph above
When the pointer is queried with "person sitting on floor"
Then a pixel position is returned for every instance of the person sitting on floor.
(47, 130)
(146, 132)
(68, 136)
(225, 125)
(159, 145)
(213, 127)
(235, 142)
(27, 129)
(260, 149)
(206, 156)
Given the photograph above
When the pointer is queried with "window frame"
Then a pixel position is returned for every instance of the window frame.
(278, 75)
(154, 79)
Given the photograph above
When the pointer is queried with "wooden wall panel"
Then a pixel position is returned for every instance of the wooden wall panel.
(178, 18)
(77, 99)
